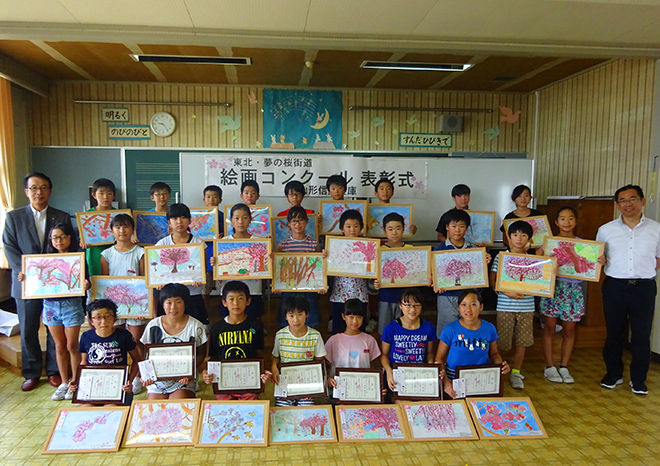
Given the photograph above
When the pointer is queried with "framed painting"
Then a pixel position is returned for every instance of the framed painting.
(94, 227)
(302, 380)
(130, 294)
(540, 227)
(281, 230)
(352, 257)
(175, 264)
(417, 381)
(237, 376)
(302, 424)
(86, 430)
(233, 424)
(576, 258)
(54, 275)
(298, 272)
(457, 269)
(370, 423)
(526, 274)
(101, 384)
(158, 423)
(242, 259)
(331, 212)
(172, 361)
(429, 421)
(506, 418)
(377, 212)
(482, 228)
(150, 227)
(404, 267)
(260, 224)
(204, 222)
(359, 386)
(484, 380)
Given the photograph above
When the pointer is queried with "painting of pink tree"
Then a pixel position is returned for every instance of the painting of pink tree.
(302, 424)
(165, 422)
(82, 429)
(460, 268)
(95, 226)
(404, 266)
(393, 269)
(377, 423)
(226, 424)
(526, 274)
(203, 224)
(316, 424)
(439, 420)
(575, 259)
(242, 259)
(352, 257)
(368, 251)
(53, 276)
(175, 264)
(129, 294)
(523, 268)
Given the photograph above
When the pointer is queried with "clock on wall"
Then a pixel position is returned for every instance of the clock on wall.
(162, 124)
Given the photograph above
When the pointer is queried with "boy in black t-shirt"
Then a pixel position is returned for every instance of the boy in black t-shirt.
(237, 336)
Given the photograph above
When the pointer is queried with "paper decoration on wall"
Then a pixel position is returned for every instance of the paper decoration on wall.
(252, 98)
(508, 115)
(378, 121)
(228, 123)
(354, 134)
(290, 115)
(492, 133)
(412, 120)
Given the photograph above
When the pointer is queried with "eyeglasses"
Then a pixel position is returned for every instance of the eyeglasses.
(632, 200)
(59, 238)
(411, 306)
(297, 221)
(103, 317)
(165, 194)
(34, 189)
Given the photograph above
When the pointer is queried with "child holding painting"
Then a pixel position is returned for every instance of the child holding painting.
(295, 193)
(461, 197)
(521, 196)
(384, 191)
(212, 198)
(103, 191)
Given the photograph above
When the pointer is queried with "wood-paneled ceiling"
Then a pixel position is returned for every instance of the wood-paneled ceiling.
(514, 45)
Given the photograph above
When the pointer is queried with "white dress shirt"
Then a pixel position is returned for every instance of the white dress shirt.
(40, 223)
(630, 253)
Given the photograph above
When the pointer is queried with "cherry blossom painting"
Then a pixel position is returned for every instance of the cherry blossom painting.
(439, 420)
(526, 274)
(576, 258)
(506, 418)
(482, 228)
(298, 272)
(352, 257)
(233, 424)
(80, 430)
(377, 212)
(457, 269)
(155, 423)
(331, 212)
(175, 264)
(204, 222)
(280, 228)
(94, 227)
(242, 258)
(540, 228)
(130, 294)
(260, 224)
(370, 423)
(302, 424)
(54, 275)
(150, 227)
(402, 267)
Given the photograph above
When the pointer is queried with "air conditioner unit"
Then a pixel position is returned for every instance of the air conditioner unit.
(451, 123)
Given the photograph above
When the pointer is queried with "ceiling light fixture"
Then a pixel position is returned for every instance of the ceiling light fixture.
(190, 59)
(415, 66)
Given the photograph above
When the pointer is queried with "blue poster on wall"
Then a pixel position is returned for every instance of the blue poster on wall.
(297, 119)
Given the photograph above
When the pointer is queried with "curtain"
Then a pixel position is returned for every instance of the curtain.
(7, 147)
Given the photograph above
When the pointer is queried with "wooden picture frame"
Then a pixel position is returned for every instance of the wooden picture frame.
(260, 226)
(281, 230)
(159, 423)
(241, 259)
(331, 211)
(150, 227)
(466, 268)
(309, 377)
(352, 383)
(94, 226)
(431, 421)
(385, 422)
(172, 361)
(482, 227)
(404, 267)
(239, 369)
(204, 223)
(302, 424)
(86, 430)
(376, 212)
(299, 272)
(484, 380)
(160, 258)
(233, 423)
(523, 423)
(89, 378)
(128, 293)
(419, 382)
(573, 254)
(57, 275)
(540, 226)
(539, 270)
(352, 257)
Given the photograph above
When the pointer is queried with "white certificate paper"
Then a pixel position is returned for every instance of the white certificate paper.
(101, 384)
(484, 381)
(358, 386)
(240, 375)
(418, 381)
(304, 380)
(214, 368)
(172, 361)
(147, 370)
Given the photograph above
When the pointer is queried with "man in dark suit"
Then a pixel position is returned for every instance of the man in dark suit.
(26, 232)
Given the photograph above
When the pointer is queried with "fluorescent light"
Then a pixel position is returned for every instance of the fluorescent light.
(414, 66)
(190, 59)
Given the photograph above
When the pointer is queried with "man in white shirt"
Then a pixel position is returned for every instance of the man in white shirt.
(26, 232)
(632, 249)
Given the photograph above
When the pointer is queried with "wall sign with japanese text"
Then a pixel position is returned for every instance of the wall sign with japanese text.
(129, 132)
(425, 140)
(115, 115)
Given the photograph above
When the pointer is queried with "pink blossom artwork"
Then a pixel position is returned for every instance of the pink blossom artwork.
(439, 420)
(260, 226)
(54, 275)
(86, 429)
(249, 258)
(576, 258)
(540, 227)
(302, 424)
(130, 294)
(175, 264)
(204, 223)
(370, 422)
(232, 423)
(401, 267)
(456, 269)
(505, 418)
(526, 274)
(94, 227)
(331, 212)
(352, 257)
(377, 212)
(162, 422)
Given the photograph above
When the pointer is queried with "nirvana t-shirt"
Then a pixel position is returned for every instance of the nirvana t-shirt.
(409, 346)
(110, 350)
(240, 341)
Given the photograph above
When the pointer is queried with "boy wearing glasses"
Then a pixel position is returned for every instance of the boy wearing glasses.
(295, 193)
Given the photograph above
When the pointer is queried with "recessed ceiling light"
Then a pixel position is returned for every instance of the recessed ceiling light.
(191, 59)
(414, 66)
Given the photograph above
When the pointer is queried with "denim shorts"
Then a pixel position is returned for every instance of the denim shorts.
(67, 312)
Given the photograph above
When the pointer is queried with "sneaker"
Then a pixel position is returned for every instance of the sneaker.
(565, 375)
(137, 385)
(69, 394)
(610, 382)
(517, 381)
(61, 392)
(639, 388)
(372, 325)
(552, 375)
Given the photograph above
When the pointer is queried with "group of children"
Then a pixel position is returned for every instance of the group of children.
(464, 339)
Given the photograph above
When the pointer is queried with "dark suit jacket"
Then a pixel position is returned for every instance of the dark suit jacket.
(20, 237)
